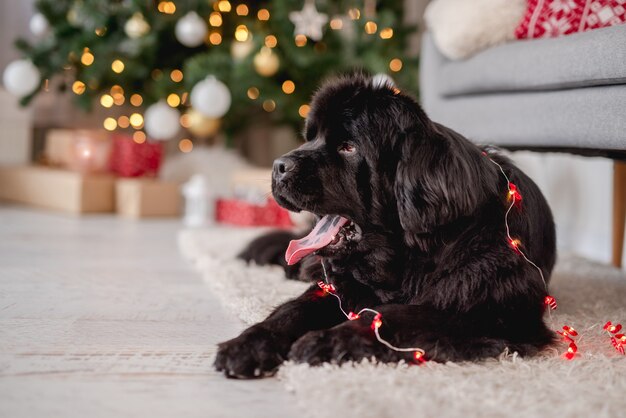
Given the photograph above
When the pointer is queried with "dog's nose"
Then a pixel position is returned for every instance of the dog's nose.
(282, 167)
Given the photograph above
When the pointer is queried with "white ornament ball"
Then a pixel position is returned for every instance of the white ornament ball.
(136, 26)
(21, 77)
(38, 24)
(211, 97)
(381, 80)
(191, 30)
(161, 121)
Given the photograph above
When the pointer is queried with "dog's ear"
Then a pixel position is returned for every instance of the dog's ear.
(440, 177)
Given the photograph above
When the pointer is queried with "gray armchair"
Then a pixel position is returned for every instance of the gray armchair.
(559, 94)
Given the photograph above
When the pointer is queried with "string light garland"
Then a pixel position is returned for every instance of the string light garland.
(618, 341)
(419, 355)
(514, 196)
(568, 333)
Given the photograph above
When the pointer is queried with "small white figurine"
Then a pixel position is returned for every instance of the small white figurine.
(199, 204)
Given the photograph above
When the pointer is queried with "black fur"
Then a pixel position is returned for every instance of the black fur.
(433, 257)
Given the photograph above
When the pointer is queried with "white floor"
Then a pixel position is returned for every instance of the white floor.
(100, 316)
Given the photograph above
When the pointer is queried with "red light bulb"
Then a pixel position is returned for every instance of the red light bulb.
(419, 357)
(352, 316)
(571, 351)
(377, 322)
(614, 328)
(617, 345)
(514, 193)
(515, 243)
(569, 330)
(550, 301)
(566, 336)
(329, 288)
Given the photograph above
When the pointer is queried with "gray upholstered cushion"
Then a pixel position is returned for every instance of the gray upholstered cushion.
(584, 59)
(591, 117)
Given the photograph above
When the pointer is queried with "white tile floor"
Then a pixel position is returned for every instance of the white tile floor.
(100, 316)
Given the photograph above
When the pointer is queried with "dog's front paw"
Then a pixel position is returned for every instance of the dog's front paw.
(257, 352)
(339, 344)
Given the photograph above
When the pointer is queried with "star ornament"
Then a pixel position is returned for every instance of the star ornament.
(309, 22)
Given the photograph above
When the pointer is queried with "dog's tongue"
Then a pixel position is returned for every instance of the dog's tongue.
(322, 235)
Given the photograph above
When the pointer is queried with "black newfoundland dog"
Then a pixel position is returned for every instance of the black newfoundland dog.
(410, 223)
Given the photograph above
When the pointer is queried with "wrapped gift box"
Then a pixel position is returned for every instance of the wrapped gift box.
(244, 213)
(137, 198)
(58, 146)
(84, 150)
(130, 159)
(57, 189)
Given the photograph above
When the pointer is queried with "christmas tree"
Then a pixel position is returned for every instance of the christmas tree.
(237, 61)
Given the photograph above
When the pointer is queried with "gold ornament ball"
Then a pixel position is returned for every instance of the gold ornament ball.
(239, 50)
(201, 126)
(266, 62)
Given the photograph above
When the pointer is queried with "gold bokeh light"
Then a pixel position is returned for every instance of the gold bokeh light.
(224, 6)
(123, 122)
(269, 105)
(386, 33)
(395, 64)
(354, 14)
(87, 58)
(139, 137)
(336, 24)
(304, 110)
(253, 93)
(109, 124)
(242, 10)
(215, 38)
(263, 14)
(185, 145)
(173, 100)
(215, 19)
(241, 33)
(78, 87)
(117, 66)
(300, 40)
(136, 100)
(371, 27)
(271, 41)
(176, 76)
(288, 87)
(106, 100)
(136, 120)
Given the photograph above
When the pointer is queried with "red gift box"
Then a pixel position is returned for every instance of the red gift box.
(130, 159)
(242, 213)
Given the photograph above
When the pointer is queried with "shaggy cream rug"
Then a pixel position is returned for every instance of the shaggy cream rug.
(594, 382)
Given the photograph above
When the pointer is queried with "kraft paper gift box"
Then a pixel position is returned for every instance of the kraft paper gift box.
(57, 189)
(144, 197)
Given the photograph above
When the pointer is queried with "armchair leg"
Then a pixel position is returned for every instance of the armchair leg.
(619, 211)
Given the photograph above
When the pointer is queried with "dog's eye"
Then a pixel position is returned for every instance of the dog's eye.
(346, 148)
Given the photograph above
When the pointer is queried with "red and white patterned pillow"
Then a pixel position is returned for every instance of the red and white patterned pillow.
(551, 18)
